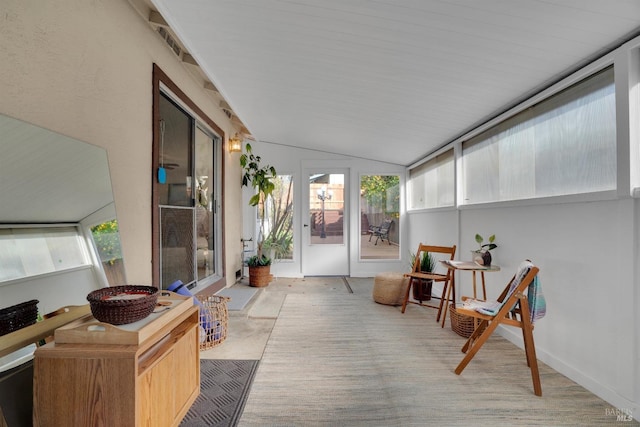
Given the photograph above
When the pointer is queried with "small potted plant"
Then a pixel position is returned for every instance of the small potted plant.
(260, 178)
(482, 255)
(427, 265)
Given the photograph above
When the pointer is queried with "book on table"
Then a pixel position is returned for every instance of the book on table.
(465, 265)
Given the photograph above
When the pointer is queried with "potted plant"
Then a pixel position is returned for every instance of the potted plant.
(482, 255)
(427, 265)
(260, 178)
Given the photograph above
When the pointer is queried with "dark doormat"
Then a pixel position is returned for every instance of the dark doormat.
(224, 387)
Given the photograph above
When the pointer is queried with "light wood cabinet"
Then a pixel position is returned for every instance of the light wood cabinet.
(151, 383)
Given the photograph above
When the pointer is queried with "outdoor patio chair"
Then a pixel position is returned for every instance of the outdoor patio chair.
(519, 305)
(381, 231)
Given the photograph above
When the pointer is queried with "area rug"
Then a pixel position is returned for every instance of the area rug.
(240, 296)
(344, 360)
(224, 386)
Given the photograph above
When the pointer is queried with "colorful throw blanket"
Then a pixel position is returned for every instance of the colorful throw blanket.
(537, 303)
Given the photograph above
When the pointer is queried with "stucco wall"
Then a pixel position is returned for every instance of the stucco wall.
(84, 69)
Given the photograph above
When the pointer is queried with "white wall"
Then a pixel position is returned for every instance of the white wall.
(291, 161)
(587, 253)
(84, 69)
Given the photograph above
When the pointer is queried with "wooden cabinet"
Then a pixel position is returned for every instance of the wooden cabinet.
(151, 383)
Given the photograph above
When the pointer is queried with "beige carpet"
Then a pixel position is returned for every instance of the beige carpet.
(343, 360)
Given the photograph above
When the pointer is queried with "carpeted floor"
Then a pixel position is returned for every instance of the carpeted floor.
(224, 386)
(345, 360)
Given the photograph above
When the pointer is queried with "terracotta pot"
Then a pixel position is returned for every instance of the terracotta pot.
(260, 276)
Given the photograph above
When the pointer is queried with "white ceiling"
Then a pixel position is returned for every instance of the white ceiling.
(388, 80)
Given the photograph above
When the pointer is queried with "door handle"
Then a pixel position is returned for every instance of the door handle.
(305, 225)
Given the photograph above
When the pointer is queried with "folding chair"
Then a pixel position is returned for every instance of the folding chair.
(416, 276)
(513, 308)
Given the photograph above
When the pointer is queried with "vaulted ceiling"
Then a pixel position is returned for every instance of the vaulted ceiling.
(389, 80)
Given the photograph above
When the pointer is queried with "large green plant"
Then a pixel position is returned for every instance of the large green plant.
(260, 178)
(427, 262)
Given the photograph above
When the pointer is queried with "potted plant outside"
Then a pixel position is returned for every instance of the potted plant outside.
(427, 265)
(482, 255)
(260, 178)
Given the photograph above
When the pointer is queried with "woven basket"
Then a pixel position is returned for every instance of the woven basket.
(122, 311)
(389, 288)
(260, 276)
(18, 316)
(461, 324)
(214, 320)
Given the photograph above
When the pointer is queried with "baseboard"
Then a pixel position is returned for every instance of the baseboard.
(605, 393)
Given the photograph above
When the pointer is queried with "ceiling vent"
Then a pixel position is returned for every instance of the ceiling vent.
(173, 44)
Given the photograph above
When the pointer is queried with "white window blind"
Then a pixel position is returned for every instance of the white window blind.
(432, 183)
(563, 145)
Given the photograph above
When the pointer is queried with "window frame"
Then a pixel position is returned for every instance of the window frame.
(163, 85)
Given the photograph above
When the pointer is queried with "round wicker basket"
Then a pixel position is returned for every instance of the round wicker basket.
(461, 324)
(214, 318)
(122, 311)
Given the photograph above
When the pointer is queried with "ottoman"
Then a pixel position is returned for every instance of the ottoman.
(390, 288)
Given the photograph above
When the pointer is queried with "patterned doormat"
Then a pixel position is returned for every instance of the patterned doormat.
(224, 387)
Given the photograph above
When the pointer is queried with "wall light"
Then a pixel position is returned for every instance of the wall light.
(235, 144)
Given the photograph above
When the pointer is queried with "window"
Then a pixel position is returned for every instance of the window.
(186, 197)
(379, 202)
(432, 183)
(563, 145)
(106, 239)
(26, 252)
(279, 221)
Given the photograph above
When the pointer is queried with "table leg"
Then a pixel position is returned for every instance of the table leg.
(451, 289)
(484, 289)
(474, 284)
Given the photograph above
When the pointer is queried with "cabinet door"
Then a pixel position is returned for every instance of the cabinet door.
(156, 394)
(187, 371)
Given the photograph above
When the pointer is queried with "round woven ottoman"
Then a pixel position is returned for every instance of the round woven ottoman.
(389, 288)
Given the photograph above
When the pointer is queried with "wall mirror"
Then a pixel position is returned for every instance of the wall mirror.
(48, 178)
(56, 205)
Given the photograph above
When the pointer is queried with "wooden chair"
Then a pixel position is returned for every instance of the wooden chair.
(511, 308)
(416, 276)
(381, 231)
